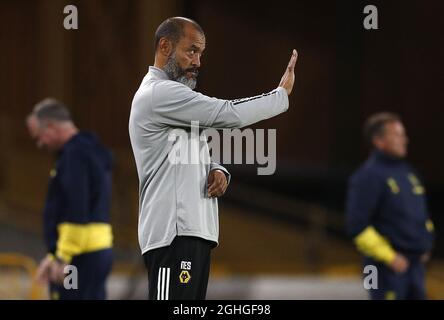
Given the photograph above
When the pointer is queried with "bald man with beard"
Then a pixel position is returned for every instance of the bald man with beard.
(178, 211)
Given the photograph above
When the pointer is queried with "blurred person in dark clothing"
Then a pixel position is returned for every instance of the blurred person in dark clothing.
(76, 222)
(387, 213)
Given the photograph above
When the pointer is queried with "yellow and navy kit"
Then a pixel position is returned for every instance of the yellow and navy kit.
(387, 211)
(77, 210)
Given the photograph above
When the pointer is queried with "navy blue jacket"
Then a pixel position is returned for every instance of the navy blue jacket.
(79, 189)
(386, 193)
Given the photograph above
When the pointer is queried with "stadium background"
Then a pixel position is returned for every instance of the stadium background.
(282, 236)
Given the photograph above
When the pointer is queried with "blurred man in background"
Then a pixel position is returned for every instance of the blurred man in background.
(387, 213)
(178, 211)
(76, 214)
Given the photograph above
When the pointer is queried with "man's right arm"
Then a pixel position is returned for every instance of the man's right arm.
(174, 104)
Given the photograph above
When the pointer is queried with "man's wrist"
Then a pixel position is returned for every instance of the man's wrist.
(60, 260)
(50, 256)
(227, 175)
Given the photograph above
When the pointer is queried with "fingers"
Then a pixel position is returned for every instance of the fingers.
(211, 178)
(400, 264)
(56, 274)
(293, 59)
(218, 186)
(41, 277)
(42, 273)
(217, 189)
(287, 80)
(211, 184)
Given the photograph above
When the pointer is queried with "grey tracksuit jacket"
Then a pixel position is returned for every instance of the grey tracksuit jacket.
(172, 196)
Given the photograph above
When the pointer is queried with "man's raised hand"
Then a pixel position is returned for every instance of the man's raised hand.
(287, 80)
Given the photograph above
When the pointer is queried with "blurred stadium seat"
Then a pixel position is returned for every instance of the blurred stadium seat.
(17, 278)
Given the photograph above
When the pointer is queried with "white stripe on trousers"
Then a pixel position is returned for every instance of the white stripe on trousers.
(163, 284)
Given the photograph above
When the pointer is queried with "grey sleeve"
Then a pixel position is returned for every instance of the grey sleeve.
(216, 166)
(174, 104)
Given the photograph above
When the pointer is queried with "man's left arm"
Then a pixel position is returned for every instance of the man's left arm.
(76, 185)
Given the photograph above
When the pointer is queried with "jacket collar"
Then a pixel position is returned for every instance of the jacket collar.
(157, 73)
(382, 156)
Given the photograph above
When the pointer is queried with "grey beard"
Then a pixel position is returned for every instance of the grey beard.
(175, 73)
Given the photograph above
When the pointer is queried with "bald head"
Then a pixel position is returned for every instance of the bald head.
(173, 29)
